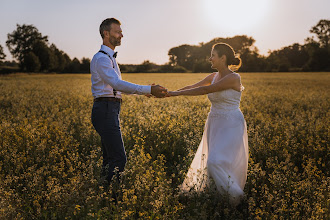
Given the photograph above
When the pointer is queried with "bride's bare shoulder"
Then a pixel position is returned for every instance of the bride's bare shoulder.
(212, 75)
(237, 76)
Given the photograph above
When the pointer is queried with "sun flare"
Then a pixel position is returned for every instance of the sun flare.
(235, 15)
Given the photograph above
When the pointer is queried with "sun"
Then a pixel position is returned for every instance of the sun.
(235, 15)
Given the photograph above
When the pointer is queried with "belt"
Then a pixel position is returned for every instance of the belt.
(108, 99)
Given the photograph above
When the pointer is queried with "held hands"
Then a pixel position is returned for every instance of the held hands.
(158, 91)
(161, 92)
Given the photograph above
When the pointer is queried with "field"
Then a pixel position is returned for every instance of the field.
(50, 156)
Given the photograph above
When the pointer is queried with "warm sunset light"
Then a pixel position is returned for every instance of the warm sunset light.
(176, 109)
(235, 15)
(182, 22)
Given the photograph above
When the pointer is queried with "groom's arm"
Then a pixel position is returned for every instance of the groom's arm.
(156, 90)
(110, 76)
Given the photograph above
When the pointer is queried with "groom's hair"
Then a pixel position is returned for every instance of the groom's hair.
(106, 25)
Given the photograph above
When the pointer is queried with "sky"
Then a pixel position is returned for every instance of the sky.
(152, 27)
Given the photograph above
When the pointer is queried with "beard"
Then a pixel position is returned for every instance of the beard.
(115, 41)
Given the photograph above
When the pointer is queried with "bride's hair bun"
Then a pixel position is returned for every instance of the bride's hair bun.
(236, 61)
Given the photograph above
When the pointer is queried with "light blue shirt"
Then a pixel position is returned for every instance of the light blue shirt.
(106, 76)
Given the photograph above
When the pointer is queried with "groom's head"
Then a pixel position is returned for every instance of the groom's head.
(111, 32)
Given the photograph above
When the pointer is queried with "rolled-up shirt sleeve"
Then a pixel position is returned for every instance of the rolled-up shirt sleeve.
(109, 75)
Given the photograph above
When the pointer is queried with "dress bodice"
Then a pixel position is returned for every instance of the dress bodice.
(224, 100)
(225, 104)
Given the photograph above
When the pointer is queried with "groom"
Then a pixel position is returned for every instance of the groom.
(107, 88)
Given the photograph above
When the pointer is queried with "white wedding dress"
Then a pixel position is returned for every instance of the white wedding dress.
(223, 151)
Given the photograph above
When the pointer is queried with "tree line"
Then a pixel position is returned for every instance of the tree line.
(34, 54)
(314, 55)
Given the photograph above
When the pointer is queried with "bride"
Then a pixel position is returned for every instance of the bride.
(223, 151)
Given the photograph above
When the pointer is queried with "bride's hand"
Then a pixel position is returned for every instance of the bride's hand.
(172, 93)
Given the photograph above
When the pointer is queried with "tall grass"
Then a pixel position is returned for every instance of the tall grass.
(50, 157)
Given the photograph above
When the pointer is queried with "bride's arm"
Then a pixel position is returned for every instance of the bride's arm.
(229, 82)
(204, 82)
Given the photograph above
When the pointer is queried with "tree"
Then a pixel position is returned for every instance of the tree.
(195, 57)
(319, 58)
(67, 62)
(74, 66)
(322, 31)
(85, 65)
(46, 56)
(252, 61)
(62, 60)
(292, 57)
(145, 67)
(183, 55)
(202, 66)
(20, 42)
(31, 62)
(319, 51)
(2, 54)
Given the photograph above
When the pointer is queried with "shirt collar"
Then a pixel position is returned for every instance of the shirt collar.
(107, 49)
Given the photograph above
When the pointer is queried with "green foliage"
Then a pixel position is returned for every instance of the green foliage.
(144, 67)
(148, 67)
(312, 56)
(322, 31)
(62, 60)
(2, 54)
(294, 56)
(8, 67)
(167, 68)
(32, 63)
(21, 41)
(50, 155)
(74, 66)
(46, 56)
(195, 58)
(85, 65)
(27, 39)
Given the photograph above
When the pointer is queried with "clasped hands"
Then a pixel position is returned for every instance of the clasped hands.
(160, 92)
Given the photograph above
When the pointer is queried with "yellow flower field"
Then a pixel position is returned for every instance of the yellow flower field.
(50, 156)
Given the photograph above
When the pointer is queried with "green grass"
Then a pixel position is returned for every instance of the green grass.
(50, 156)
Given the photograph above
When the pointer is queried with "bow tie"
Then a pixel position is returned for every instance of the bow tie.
(115, 54)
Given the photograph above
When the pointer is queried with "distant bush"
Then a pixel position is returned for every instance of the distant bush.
(166, 68)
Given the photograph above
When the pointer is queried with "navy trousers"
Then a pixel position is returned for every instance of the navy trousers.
(105, 119)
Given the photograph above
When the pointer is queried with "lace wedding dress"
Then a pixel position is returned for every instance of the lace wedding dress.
(223, 151)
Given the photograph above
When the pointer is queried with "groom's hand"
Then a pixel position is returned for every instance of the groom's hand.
(158, 91)
(150, 95)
